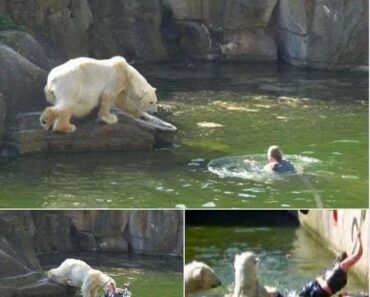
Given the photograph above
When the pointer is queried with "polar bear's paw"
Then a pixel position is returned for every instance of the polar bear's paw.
(109, 119)
(65, 129)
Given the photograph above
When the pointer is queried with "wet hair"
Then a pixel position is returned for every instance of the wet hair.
(275, 153)
(341, 256)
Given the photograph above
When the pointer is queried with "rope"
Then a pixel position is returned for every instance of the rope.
(315, 193)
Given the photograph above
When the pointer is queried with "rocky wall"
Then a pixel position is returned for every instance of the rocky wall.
(325, 34)
(25, 234)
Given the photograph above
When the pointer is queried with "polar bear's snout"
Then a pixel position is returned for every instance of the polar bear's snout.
(149, 101)
(216, 283)
(153, 110)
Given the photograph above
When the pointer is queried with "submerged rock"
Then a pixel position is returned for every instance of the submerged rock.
(27, 136)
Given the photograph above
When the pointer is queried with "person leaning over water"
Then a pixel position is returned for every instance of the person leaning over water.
(335, 278)
(276, 162)
(111, 292)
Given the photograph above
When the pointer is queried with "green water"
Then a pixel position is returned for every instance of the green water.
(220, 111)
(146, 275)
(289, 258)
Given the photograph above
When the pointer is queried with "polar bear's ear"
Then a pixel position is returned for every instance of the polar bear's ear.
(154, 89)
(257, 260)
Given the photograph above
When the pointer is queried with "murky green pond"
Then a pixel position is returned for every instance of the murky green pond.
(289, 258)
(320, 119)
(146, 275)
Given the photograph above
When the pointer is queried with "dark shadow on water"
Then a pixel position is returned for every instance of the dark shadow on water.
(258, 78)
(118, 260)
(241, 218)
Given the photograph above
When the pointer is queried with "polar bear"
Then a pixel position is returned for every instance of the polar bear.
(80, 85)
(77, 273)
(199, 277)
(246, 282)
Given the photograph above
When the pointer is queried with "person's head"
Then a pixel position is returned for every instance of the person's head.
(110, 287)
(341, 256)
(274, 154)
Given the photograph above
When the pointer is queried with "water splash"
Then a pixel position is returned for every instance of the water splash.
(236, 167)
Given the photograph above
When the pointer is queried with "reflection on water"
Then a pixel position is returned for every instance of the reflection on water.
(220, 111)
(146, 275)
(289, 258)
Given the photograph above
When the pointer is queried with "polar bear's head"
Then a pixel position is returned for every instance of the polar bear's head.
(200, 277)
(148, 101)
(47, 118)
(245, 268)
(53, 275)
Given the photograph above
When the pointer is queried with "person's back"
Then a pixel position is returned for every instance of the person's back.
(283, 166)
(276, 163)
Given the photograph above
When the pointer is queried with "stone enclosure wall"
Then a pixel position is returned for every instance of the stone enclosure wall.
(25, 234)
(337, 229)
(328, 34)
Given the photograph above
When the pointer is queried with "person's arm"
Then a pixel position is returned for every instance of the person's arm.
(249, 161)
(352, 260)
(269, 167)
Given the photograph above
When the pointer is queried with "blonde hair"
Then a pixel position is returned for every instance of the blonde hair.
(274, 152)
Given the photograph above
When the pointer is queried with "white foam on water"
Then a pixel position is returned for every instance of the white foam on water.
(235, 167)
(209, 204)
(346, 141)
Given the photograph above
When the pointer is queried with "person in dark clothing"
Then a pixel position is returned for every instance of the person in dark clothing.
(276, 163)
(335, 278)
(111, 292)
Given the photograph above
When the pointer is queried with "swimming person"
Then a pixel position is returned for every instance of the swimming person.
(276, 163)
(335, 278)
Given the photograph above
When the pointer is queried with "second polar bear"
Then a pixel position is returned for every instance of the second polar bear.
(246, 281)
(199, 277)
(77, 273)
(78, 86)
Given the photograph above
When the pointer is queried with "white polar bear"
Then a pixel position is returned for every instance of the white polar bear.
(199, 277)
(78, 86)
(246, 282)
(77, 273)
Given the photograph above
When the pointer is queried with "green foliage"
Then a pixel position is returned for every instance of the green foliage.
(7, 24)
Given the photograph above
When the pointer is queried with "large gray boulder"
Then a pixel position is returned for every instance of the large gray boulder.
(16, 232)
(323, 34)
(129, 28)
(62, 25)
(240, 28)
(2, 118)
(52, 232)
(21, 82)
(247, 32)
(28, 47)
(105, 229)
(42, 287)
(185, 10)
(20, 271)
(155, 232)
